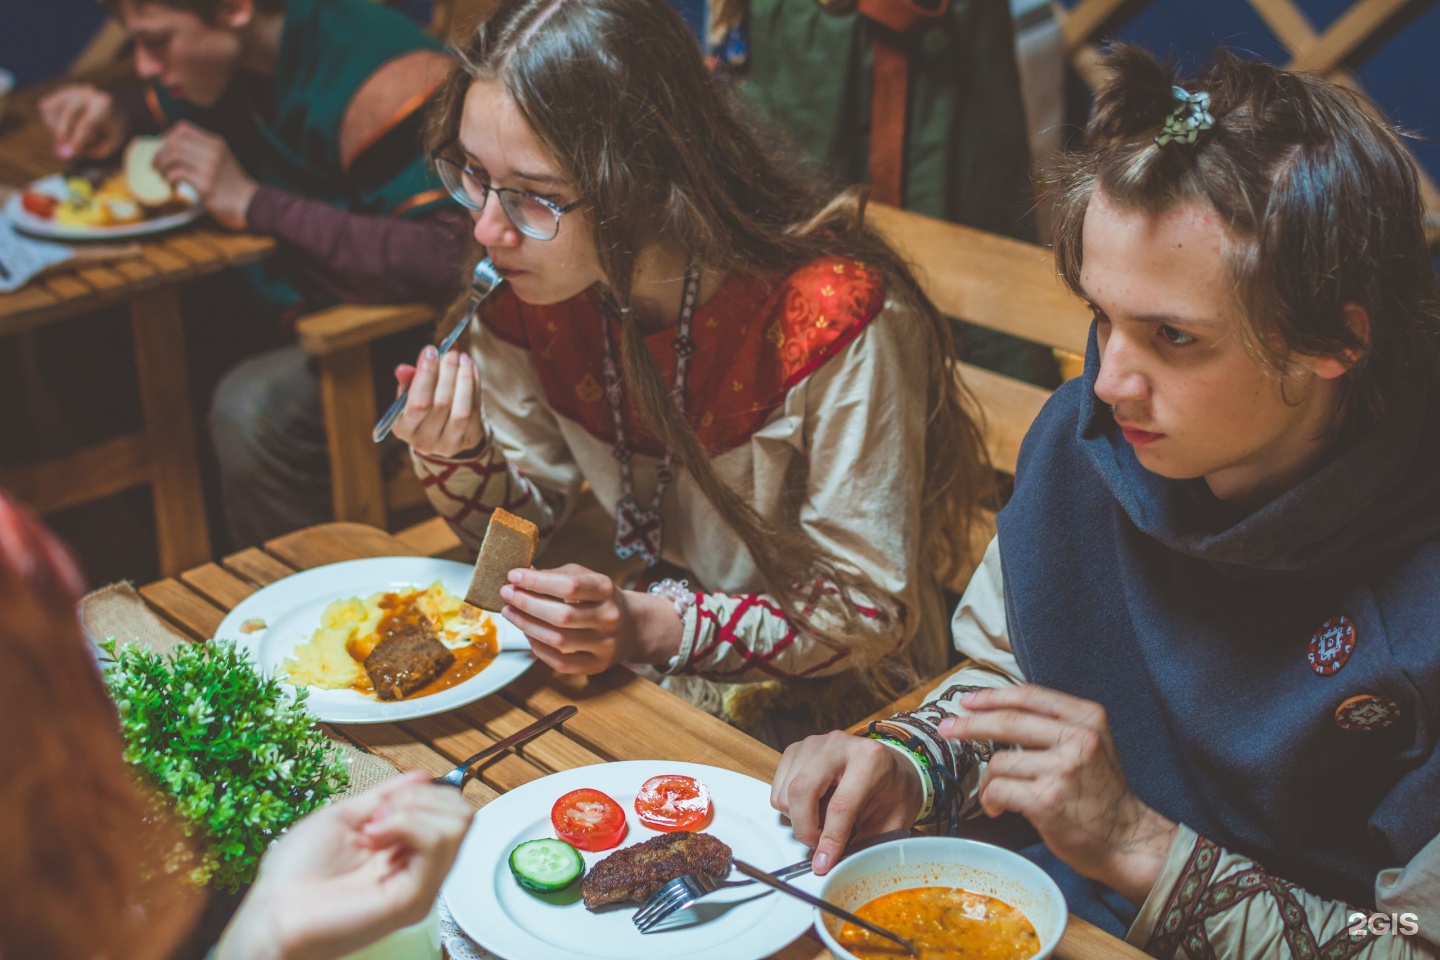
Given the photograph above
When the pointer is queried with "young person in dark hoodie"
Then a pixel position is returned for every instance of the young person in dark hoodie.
(1203, 656)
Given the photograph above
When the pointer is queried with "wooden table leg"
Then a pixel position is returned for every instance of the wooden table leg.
(180, 525)
(347, 395)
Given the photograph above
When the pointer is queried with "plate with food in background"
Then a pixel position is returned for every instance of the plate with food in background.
(380, 639)
(555, 869)
(102, 203)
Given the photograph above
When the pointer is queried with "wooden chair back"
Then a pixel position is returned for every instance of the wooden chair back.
(1001, 284)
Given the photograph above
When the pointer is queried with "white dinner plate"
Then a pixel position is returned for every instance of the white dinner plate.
(290, 609)
(54, 185)
(743, 923)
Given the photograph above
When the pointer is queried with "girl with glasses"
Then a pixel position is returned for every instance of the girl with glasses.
(745, 374)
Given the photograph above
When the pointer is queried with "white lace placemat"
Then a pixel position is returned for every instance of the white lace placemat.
(452, 938)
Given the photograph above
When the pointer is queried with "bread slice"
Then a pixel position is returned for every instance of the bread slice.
(510, 542)
(141, 178)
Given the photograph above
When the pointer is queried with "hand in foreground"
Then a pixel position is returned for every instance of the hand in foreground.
(442, 417)
(84, 122)
(579, 621)
(1067, 781)
(350, 873)
(834, 783)
(206, 162)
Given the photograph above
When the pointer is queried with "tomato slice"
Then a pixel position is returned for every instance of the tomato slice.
(40, 204)
(588, 820)
(674, 802)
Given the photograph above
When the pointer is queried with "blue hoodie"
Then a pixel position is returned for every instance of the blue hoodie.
(1192, 622)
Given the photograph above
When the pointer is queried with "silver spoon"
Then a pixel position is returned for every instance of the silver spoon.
(483, 281)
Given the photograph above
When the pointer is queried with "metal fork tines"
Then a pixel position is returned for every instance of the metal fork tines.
(684, 891)
(483, 281)
(672, 898)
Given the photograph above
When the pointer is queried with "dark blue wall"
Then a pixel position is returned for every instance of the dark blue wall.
(1399, 70)
(39, 38)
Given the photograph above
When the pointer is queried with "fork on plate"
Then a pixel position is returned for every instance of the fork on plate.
(681, 892)
(684, 891)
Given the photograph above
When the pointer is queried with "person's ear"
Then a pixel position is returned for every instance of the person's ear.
(1357, 318)
(236, 14)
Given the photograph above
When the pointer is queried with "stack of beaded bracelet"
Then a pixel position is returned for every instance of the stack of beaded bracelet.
(942, 792)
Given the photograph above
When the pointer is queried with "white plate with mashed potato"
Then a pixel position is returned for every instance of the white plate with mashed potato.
(315, 629)
(85, 211)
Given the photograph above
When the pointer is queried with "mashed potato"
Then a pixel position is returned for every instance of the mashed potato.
(333, 657)
(108, 205)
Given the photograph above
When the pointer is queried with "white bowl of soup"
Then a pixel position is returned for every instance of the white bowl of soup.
(955, 899)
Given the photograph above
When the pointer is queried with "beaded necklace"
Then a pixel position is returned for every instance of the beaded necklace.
(636, 530)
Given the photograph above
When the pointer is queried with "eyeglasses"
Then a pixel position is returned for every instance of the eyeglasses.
(533, 216)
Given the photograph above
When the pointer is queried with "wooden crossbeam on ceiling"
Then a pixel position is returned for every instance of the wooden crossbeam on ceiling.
(1353, 28)
(1079, 26)
(1309, 50)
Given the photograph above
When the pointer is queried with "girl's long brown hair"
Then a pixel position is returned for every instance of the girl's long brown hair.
(617, 91)
(79, 842)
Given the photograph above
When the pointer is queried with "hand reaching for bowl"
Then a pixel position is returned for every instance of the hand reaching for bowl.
(84, 122)
(442, 417)
(1066, 779)
(834, 784)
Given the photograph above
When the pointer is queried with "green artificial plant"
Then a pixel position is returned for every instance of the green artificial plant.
(236, 756)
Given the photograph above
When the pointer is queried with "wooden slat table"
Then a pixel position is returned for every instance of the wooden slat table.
(164, 452)
(622, 716)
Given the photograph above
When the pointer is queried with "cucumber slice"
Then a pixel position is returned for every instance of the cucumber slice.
(546, 865)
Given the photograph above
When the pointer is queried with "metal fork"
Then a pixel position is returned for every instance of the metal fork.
(483, 281)
(696, 885)
(681, 892)
(672, 898)
(684, 891)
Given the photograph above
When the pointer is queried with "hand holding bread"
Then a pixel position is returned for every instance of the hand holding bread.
(580, 621)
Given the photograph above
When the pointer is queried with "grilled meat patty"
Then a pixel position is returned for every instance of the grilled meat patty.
(634, 873)
(407, 657)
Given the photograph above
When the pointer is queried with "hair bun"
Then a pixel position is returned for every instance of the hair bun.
(1137, 97)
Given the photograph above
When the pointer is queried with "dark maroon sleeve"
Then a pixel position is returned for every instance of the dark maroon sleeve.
(358, 258)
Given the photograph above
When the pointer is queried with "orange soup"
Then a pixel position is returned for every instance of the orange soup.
(945, 923)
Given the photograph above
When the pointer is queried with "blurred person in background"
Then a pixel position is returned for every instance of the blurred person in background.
(920, 100)
(300, 120)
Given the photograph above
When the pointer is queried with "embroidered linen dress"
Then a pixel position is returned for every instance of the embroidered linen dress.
(804, 391)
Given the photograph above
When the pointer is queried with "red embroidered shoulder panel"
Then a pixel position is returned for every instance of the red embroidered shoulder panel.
(754, 339)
